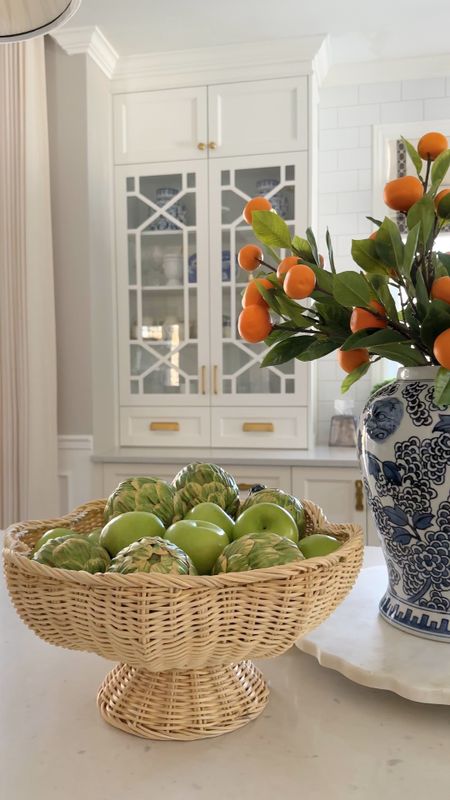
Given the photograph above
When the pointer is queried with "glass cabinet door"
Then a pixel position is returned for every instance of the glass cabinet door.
(238, 378)
(163, 281)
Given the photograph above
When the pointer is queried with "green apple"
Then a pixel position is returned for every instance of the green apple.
(211, 512)
(266, 517)
(318, 544)
(53, 533)
(202, 541)
(126, 528)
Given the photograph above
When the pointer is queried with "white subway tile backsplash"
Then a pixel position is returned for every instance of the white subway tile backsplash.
(364, 179)
(437, 109)
(328, 161)
(423, 89)
(404, 111)
(338, 182)
(327, 118)
(354, 201)
(380, 92)
(359, 115)
(337, 96)
(341, 223)
(365, 227)
(328, 204)
(359, 158)
(338, 139)
(365, 136)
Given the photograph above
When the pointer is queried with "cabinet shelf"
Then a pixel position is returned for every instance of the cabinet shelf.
(169, 289)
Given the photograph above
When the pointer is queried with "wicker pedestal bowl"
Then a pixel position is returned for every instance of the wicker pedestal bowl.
(184, 643)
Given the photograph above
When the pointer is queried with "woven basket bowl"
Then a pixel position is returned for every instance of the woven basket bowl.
(184, 641)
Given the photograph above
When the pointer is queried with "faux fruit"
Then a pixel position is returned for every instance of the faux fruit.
(211, 512)
(73, 552)
(264, 517)
(53, 533)
(94, 536)
(318, 544)
(204, 483)
(280, 498)
(121, 531)
(202, 541)
(152, 555)
(257, 551)
(142, 494)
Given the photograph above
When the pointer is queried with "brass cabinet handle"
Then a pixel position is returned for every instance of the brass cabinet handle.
(245, 487)
(201, 146)
(164, 426)
(258, 427)
(359, 497)
(202, 379)
(212, 145)
(215, 382)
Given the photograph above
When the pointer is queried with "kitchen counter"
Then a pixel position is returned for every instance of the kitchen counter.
(320, 737)
(319, 456)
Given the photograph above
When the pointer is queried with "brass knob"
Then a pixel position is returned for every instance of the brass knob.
(212, 145)
(201, 146)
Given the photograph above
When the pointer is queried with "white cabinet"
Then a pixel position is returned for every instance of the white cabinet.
(186, 377)
(337, 490)
(160, 125)
(258, 117)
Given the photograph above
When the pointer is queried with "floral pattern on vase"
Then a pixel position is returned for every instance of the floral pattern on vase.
(404, 448)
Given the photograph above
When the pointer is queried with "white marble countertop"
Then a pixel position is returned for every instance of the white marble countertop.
(320, 737)
(319, 456)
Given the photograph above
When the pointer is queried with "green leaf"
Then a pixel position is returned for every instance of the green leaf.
(334, 319)
(442, 387)
(423, 212)
(387, 301)
(410, 250)
(318, 349)
(364, 254)
(366, 339)
(324, 279)
(376, 222)
(351, 289)
(286, 350)
(293, 311)
(439, 169)
(422, 295)
(276, 257)
(271, 229)
(411, 320)
(313, 245)
(413, 154)
(330, 251)
(444, 258)
(302, 248)
(403, 353)
(278, 336)
(270, 297)
(354, 376)
(436, 320)
(389, 245)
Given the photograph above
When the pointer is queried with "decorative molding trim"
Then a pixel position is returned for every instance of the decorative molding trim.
(75, 442)
(387, 70)
(226, 63)
(89, 40)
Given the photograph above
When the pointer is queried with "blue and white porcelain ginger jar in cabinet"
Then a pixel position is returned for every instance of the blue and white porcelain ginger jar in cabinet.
(404, 448)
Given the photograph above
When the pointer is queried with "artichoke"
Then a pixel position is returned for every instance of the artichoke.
(280, 498)
(204, 483)
(152, 554)
(142, 494)
(73, 552)
(257, 551)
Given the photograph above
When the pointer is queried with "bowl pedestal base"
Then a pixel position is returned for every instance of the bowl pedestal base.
(185, 705)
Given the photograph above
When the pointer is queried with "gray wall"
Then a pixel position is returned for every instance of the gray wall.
(79, 113)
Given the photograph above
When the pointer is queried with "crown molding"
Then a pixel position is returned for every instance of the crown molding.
(89, 40)
(387, 70)
(226, 63)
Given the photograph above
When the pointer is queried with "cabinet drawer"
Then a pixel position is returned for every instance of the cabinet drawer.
(165, 427)
(337, 490)
(262, 427)
(272, 477)
(160, 125)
